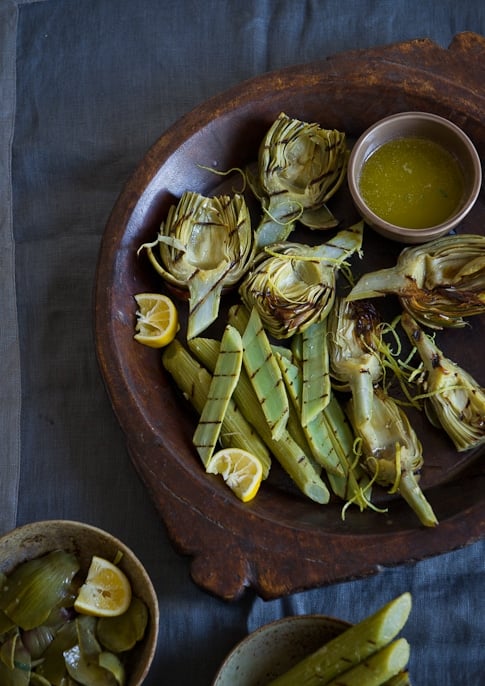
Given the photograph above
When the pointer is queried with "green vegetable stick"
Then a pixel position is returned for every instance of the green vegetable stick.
(378, 668)
(289, 453)
(315, 391)
(349, 648)
(401, 679)
(193, 380)
(315, 431)
(223, 383)
(265, 375)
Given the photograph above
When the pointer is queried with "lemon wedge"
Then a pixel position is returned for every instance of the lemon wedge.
(241, 471)
(157, 320)
(106, 591)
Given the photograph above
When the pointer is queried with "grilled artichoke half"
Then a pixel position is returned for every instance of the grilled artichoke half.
(204, 245)
(292, 285)
(353, 330)
(438, 283)
(454, 400)
(392, 453)
(300, 167)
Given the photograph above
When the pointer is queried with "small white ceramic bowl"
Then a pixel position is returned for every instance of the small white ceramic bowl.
(417, 125)
(274, 648)
(39, 538)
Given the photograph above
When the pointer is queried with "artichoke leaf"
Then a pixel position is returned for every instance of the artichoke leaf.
(113, 664)
(320, 218)
(453, 397)
(119, 634)
(38, 680)
(15, 662)
(53, 666)
(278, 221)
(86, 670)
(37, 586)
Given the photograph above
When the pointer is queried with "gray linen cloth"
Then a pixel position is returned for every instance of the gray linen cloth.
(86, 87)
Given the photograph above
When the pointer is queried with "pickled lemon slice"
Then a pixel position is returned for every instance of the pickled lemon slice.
(241, 471)
(106, 591)
(157, 320)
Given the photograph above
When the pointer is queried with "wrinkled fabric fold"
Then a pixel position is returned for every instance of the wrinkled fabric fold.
(10, 387)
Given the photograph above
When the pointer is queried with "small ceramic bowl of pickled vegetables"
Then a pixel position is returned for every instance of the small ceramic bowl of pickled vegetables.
(76, 607)
(315, 649)
(414, 176)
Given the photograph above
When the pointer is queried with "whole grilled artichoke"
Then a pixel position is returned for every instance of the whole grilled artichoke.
(300, 167)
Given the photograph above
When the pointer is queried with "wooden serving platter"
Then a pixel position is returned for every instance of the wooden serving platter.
(280, 542)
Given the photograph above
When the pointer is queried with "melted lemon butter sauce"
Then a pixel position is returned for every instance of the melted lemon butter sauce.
(412, 182)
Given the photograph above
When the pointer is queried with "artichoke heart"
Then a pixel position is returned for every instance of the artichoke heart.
(453, 397)
(438, 283)
(292, 285)
(300, 167)
(204, 245)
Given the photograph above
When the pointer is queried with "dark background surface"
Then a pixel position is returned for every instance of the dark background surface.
(87, 86)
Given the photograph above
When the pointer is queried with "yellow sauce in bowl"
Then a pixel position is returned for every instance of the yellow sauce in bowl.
(412, 182)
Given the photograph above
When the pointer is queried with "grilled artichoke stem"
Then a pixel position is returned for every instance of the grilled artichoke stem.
(439, 283)
(204, 245)
(453, 396)
(300, 167)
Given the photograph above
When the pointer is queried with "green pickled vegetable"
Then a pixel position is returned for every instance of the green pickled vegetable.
(113, 664)
(350, 648)
(86, 671)
(38, 680)
(400, 679)
(35, 587)
(15, 662)
(378, 668)
(53, 667)
(119, 634)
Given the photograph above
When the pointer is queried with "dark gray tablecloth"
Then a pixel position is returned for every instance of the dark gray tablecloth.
(86, 86)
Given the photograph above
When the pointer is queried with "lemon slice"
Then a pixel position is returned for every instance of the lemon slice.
(241, 471)
(157, 320)
(106, 591)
